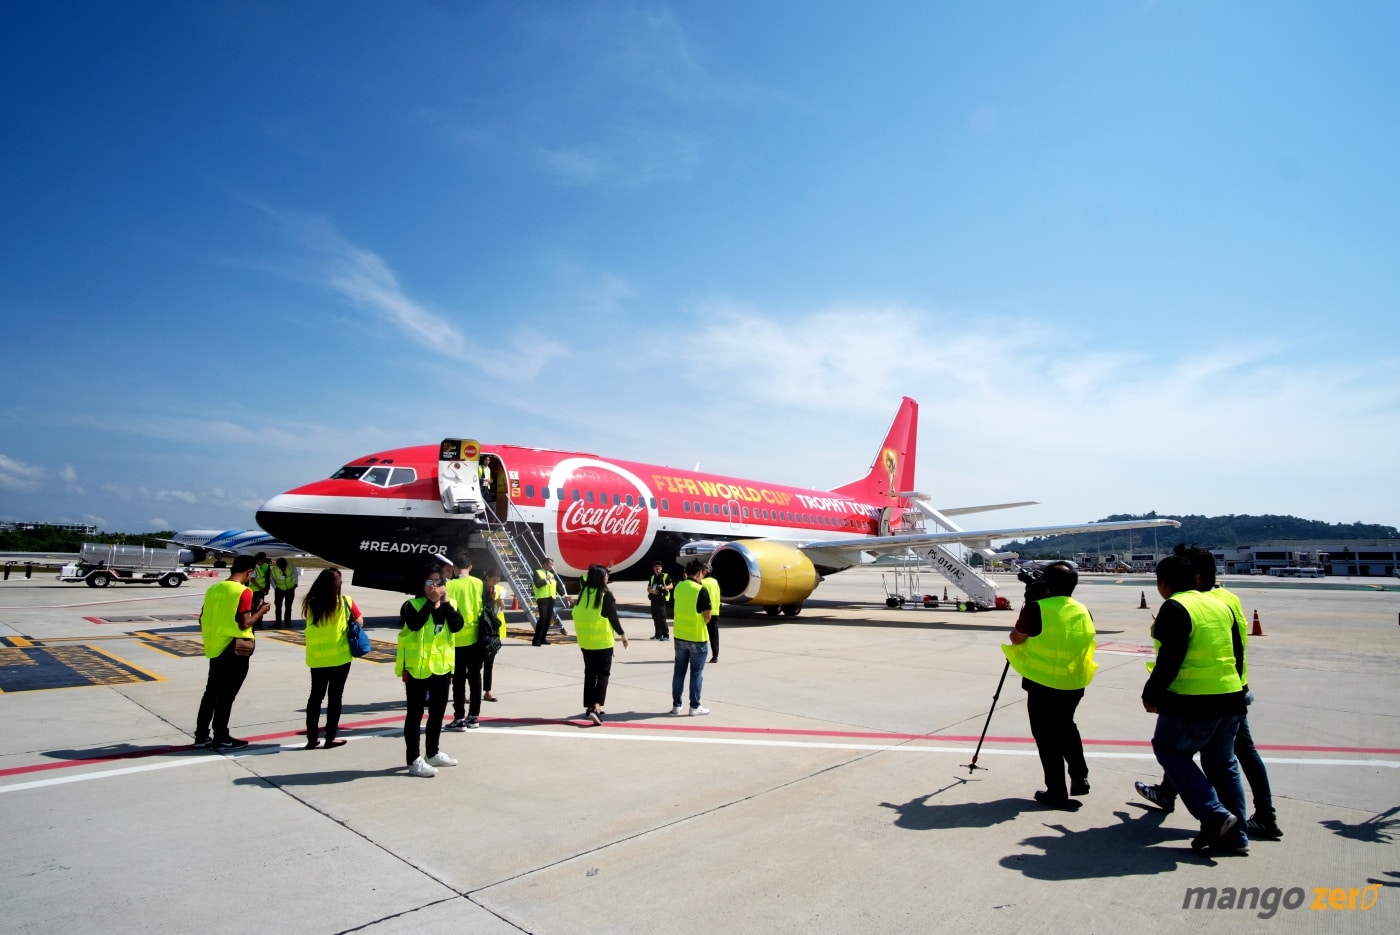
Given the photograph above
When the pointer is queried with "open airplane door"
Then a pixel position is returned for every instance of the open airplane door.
(459, 478)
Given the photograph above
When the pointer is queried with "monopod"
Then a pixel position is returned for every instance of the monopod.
(973, 765)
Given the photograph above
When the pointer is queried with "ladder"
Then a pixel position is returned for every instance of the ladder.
(960, 574)
(518, 553)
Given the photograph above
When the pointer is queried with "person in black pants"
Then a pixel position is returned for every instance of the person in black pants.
(659, 587)
(595, 624)
(228, 617)
(546, 589)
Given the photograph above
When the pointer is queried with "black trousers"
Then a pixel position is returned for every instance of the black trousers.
(658, 617)
(597, 667)
(325, 679)
(545, 611)
(466, 673)
(282, 604)
(226, 674)
(431, 693)
(1051, 712)
(712, 627)
(486, 665)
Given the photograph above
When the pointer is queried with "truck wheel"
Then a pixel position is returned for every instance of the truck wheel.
(99, 579)
(172, 580)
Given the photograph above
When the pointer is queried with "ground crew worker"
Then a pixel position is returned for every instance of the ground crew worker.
(261, 578)
(464, 591)
(424, 662)
(1052, 647)
(546, 589)
(1263, 824)
(1196, 692)
(692, 649)
(659, 587)
(284, 588)
(229, 616)
(712, 625)
(493, 607)
(595, 622)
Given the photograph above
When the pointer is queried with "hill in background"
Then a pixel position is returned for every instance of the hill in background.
(1211, 532)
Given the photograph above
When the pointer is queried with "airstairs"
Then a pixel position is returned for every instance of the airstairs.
(977, 586)
(510, 540)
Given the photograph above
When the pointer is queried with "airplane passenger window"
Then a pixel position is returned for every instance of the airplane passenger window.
(686, 504)
(575, 495)
(378, 476)
(544, 493)
(529, 490)
(401, 476)
(350, 472)
(724, 509)
(590, 496)
(617, 499)
(653, 503)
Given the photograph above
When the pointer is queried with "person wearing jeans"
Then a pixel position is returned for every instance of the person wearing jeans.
(692, 609)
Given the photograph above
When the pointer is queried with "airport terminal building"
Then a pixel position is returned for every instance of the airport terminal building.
(1365, 558)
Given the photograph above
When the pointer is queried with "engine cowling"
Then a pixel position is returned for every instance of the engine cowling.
(757, 571)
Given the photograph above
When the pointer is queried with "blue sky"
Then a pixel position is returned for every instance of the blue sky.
(1128, 256)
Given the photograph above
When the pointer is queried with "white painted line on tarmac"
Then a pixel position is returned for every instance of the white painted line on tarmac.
(652, 738)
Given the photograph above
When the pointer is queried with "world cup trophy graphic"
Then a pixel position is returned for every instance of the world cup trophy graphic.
(890, 458)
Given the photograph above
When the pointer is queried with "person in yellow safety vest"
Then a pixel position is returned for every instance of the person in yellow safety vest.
(424, 662)
(1052, 648)
(692, 603)
(261, 579)
(284, 588)
(1263, 824)
(493, 607)
(328, 615)
(546, 590)
(712, 625)
(659, 587)
(595, 622)
(464, 591)
(1196, 692)
(229, 615)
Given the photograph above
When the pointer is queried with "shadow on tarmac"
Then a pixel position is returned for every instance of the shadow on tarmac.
(1121, 850)
(329, 778)
(1378, 829)
(116, 751)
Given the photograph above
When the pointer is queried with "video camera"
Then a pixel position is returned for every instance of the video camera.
(1034, 580)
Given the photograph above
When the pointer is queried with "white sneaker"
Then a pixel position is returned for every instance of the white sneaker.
(441, 759)
(676, 710)
(419, 768)
(697, 712)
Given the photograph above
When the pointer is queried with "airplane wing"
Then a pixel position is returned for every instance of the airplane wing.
(847, 551)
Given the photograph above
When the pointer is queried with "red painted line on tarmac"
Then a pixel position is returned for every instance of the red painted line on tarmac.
(684, 728)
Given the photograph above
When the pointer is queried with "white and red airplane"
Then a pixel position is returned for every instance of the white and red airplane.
(769, 544)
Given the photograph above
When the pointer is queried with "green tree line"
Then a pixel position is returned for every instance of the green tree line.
(53, 539)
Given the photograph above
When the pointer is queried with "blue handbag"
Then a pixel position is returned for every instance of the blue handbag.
(359, 639)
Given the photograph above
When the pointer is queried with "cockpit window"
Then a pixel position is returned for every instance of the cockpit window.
(383, 476)
(350, 472)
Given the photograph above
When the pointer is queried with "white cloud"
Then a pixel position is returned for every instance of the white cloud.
(157, 522)
(17, 476)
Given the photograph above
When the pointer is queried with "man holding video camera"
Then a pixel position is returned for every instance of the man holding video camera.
(1052, 647)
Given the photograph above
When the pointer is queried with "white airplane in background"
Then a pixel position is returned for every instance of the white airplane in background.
(223, 544)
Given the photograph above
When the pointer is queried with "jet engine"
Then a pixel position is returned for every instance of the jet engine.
(758, 571)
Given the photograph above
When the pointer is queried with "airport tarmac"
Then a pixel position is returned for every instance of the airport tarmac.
(826, 792)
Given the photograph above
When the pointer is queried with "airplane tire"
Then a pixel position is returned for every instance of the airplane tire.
(792, 610)
(99, 580)
(772, 610)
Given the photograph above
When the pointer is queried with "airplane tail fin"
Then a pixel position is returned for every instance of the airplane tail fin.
(892, 471)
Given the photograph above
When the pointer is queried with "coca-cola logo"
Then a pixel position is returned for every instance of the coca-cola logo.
(599, 525)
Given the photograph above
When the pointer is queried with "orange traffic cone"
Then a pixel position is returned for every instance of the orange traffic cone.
(1142, 603)
(1258, 630)
(945, 594)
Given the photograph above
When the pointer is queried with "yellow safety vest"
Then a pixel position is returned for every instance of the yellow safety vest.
(218, 620)
(593, 630)
(464, 593)
(545, 585)
(500, 594)
(689, 623)
(424, 652)
(326, 643)
(1209, 666)
(660, 582)
(1062, 654)
(1232, 601)
(712, 586)
(284, 580)
(260, 577)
